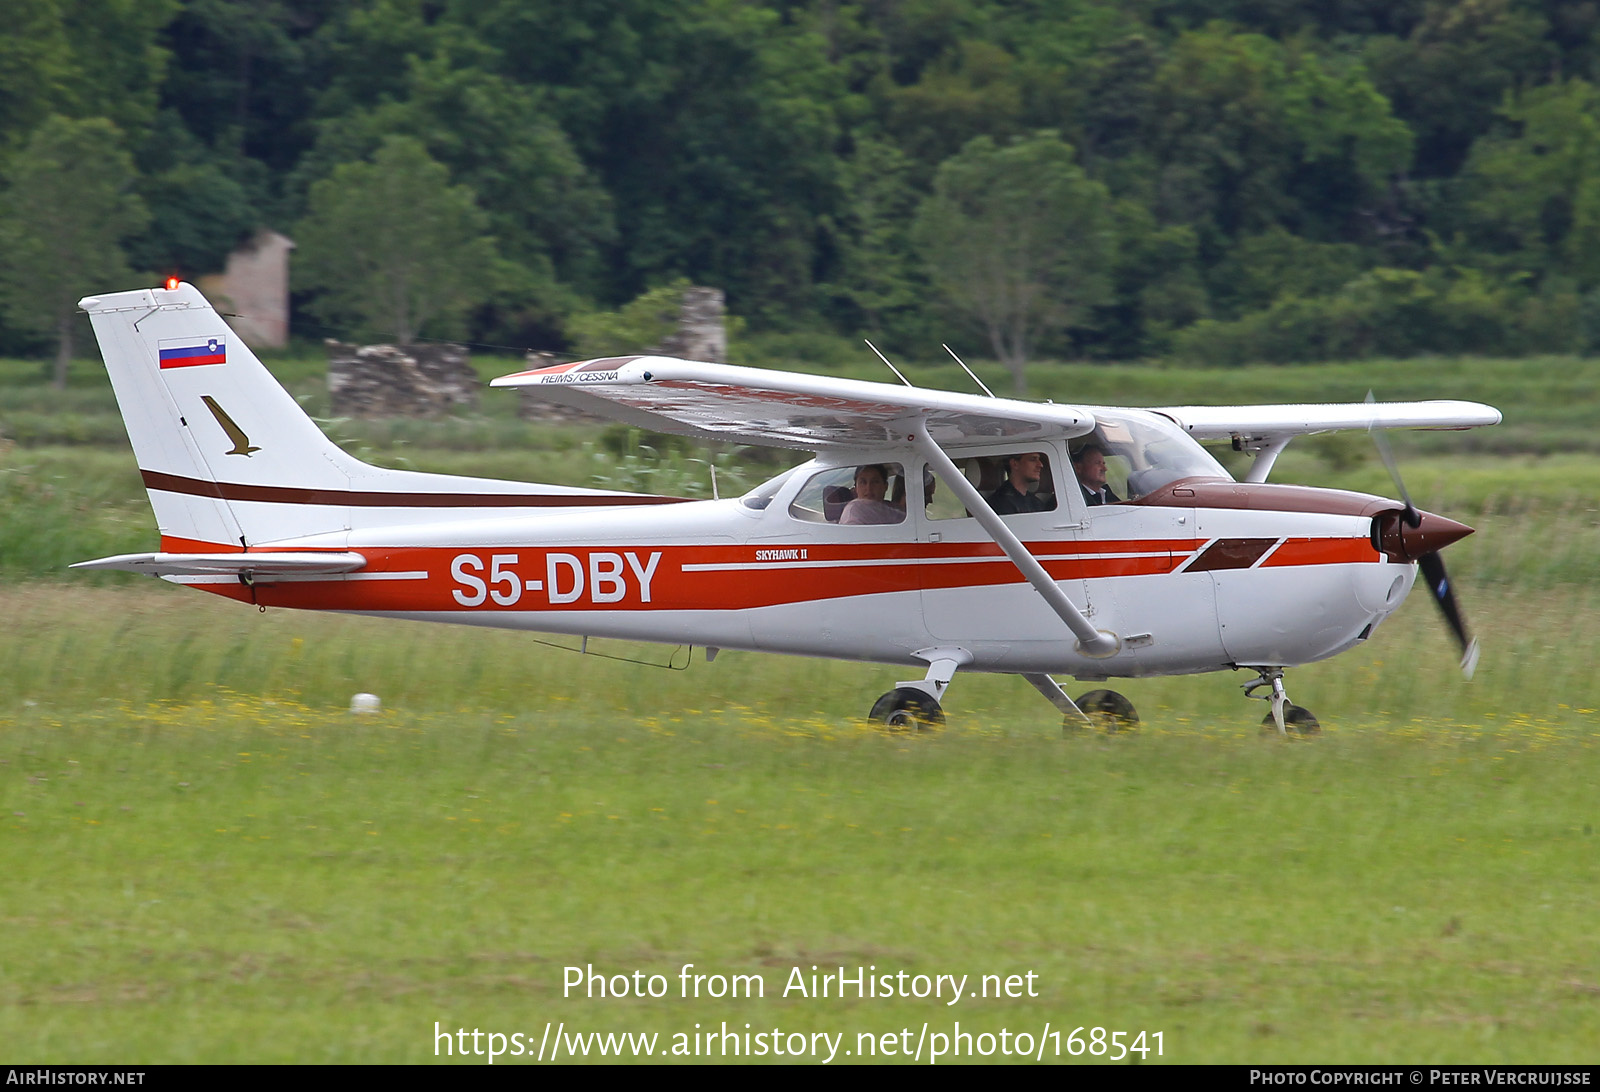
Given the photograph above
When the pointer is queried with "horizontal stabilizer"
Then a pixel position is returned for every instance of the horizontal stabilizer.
(262, 567)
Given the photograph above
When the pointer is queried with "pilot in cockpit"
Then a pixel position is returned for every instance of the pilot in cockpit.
(1089, 462)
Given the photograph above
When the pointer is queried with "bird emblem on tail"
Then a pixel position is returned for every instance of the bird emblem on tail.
(241, 442)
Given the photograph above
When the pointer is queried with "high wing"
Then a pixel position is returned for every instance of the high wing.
(783, 409)
(1263, 423)
(1265, 431)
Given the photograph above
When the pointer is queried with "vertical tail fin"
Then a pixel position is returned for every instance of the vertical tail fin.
(209, 423)
(231, 461)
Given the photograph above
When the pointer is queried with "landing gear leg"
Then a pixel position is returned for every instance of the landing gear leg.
(1285, 715)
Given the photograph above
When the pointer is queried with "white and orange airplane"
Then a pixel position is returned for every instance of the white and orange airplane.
(945, 531)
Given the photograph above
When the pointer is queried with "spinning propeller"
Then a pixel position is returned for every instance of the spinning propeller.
(1414, 535)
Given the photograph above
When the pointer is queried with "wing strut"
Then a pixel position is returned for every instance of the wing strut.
(1264, 456)
(1094, 643)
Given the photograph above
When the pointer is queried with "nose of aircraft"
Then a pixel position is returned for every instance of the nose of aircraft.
(1431, 534)
(1411, 535)
(1404, 542)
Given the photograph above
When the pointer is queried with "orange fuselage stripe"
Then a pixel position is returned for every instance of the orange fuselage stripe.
(656, 578)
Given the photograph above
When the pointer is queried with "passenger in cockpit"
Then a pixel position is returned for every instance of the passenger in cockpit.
(869, 507)
(1019, 493)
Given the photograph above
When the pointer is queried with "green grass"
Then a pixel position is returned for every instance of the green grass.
(204, 873)
(60, 505)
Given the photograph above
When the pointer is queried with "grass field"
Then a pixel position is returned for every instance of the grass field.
(207, 858)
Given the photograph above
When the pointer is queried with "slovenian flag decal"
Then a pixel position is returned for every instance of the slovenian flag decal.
(187, 352)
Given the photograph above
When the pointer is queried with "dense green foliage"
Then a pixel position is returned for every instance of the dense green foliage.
(1018, 238)
(68, 207)
(393, 247)
(1277, 182)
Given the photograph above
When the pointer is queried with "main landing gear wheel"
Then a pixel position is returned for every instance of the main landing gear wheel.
(1107, 710)
(907, 709)
(1297, 721)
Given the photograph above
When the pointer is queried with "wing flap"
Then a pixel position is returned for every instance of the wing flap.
(784, 409)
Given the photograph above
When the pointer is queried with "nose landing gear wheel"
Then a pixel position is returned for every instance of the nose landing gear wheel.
(1107, 710)
(906, 709)
(1297, 721)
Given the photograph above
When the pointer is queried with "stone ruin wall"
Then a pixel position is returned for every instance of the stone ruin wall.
(701, 334)
(400, 381)
(255, 288)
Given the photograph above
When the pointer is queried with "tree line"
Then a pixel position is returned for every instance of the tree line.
(1224, 181)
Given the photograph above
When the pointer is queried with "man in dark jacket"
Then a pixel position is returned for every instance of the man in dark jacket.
(1089, 462)
(1018, 494)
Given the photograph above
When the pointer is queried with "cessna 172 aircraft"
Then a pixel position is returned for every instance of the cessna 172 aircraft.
(946, 531)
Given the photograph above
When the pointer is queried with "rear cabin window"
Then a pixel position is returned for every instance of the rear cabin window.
(991, 476)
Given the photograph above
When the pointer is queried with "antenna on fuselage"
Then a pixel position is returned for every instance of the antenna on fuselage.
(892, 368)
(968, 370)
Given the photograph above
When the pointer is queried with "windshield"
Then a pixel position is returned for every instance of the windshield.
(761, 496)
(1145, 451)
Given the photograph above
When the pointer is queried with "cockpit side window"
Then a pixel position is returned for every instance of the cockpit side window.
(761, 496)
(1143, 452)
(872, 494)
